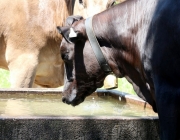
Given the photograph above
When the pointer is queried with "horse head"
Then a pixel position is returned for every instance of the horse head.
(83, 72)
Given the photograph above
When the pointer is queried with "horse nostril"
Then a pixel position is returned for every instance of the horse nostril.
(63, 99)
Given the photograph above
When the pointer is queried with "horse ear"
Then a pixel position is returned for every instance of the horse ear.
(71, 19)
(67, 32)
(64, 31)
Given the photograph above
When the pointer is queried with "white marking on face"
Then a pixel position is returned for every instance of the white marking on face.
(72, 33)
(73, 95)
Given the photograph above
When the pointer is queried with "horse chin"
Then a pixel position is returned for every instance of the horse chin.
(77, 101)
(74, 102)
(80, 99)
(80, 96)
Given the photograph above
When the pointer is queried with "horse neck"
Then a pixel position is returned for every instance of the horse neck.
(126, 23)
(125, 27)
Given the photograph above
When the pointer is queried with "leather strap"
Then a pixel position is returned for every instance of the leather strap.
(96, 47)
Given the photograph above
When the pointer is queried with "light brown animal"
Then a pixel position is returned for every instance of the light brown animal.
(29, 41)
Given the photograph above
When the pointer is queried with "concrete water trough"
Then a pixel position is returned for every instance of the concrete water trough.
(39, 114)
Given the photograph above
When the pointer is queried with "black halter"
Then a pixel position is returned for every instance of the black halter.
(96, 47)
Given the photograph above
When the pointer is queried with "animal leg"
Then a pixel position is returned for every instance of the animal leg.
(23, 70)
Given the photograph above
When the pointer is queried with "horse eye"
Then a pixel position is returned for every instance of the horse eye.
(64, 56)
(81, 1)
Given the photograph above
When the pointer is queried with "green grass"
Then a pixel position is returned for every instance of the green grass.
(123, 85)
(4, 79)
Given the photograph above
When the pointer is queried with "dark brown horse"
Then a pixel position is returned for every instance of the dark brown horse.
(140, 41)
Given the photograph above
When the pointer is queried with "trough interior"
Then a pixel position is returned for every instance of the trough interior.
(20, 104)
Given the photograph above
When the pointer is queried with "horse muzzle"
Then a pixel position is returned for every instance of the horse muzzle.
(74, 102)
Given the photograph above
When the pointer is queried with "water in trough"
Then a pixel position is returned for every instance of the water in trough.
(25, 105)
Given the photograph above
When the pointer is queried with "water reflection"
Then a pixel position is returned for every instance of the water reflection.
(51, 105)
(16, 108)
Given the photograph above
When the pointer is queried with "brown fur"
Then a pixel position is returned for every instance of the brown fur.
(29, 42)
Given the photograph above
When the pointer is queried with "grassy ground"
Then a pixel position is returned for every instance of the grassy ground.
(4, 79)
(123, 85)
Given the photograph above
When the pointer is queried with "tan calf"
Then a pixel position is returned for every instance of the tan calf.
(29, 42)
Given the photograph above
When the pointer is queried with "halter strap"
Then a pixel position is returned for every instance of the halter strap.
(96, 47)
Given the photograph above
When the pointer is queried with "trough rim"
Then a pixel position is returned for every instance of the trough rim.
(80, 118)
